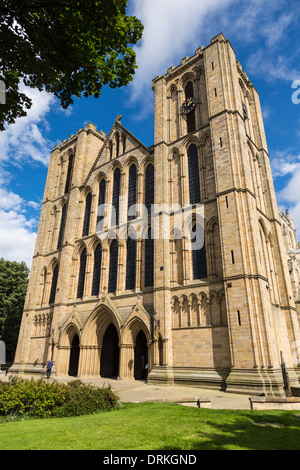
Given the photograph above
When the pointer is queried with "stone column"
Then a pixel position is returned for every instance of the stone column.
(126, 366)
(138, 264)
(104, 269)
(121, 267)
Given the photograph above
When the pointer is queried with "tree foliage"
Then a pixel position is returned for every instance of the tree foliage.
(13, 287)
(67, 47)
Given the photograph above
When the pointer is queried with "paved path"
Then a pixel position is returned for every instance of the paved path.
(139, 391)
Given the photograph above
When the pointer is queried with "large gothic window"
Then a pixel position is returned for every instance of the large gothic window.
(87, 215)
(81, 277)
(62, 226)
(149, 187)
(53, 285)
(190, 117)
(130, 263)
(194, 176)
(101, 202)
(149, 259)
(69, 173)
(97, 269)
(132, 190)
(198, 252)
(115, 197)
(113, 266)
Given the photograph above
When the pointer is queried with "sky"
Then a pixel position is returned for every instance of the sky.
(264, 35)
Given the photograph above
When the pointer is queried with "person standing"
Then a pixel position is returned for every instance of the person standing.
(49, 368)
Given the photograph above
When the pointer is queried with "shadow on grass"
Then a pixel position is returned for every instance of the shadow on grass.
(251, 431)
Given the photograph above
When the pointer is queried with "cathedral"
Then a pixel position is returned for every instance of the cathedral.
(171, 263)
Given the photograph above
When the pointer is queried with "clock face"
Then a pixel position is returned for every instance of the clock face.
(188, 106)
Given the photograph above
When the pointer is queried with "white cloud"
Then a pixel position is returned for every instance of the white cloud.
(17, 231)
(288, 166)
(10, 200)
(271, 69)
(284, 163)
(17, 239)
(170, 28)
(24, 140)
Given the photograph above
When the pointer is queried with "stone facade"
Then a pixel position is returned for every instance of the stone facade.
(216, 317)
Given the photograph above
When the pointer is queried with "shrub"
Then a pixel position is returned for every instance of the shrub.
(85, 399)
(43, 399)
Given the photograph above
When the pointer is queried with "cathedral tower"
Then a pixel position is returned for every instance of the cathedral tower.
(197, 290)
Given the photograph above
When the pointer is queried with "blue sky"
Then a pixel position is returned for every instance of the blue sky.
(265, 37)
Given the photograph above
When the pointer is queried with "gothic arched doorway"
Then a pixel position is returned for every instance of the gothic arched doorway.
(109, 364)
(74, 356)
(140, 356)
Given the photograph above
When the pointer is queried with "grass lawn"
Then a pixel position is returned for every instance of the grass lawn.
(157, 426)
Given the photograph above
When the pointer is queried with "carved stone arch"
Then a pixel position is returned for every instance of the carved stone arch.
(70, 151)
(186, 78)
(79, 247)
(68, 349)
(203, 295)
(61, 203)
(221, 292)
(176, 311)
(213, 294)
(113, 166)
(148, 160)
(99, 176)
(138, 320)
(92, 243)
(85, 191)
(174, 151)
(129, 161)
(188, 141)
(185, 310)
(132, 330)
(205, 136)
(96, 324)
(183, 297)
(171, 89)
(176, 234)
(51, 265)
(95, 181)
(111, 236)
(192, 296)
(68, 331)
(200, 71)
(211, 222)
(204, 309)
(194, 310)
(191, 220)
